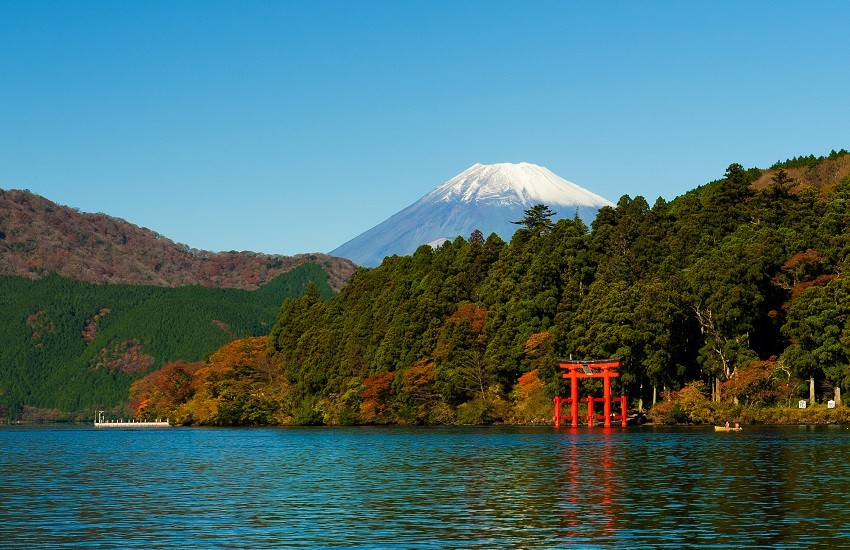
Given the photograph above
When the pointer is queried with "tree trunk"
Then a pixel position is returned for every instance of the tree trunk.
(812, 389)
(837, 396)
(654, 394)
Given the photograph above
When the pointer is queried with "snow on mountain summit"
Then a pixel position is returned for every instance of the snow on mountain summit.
(508, 183)
(487, 197)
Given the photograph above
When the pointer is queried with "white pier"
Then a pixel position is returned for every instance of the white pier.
(101, 422)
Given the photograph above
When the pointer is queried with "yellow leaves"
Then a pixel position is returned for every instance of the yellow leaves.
(532, 404)
(203, 407)
(239, 378)
(539, 343)
(687, 405)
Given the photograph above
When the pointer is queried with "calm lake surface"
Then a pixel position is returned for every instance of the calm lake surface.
(424, 488)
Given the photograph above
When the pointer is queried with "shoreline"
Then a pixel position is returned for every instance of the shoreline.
(663, 414)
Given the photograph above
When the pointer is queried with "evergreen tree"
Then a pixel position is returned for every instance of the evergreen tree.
(538, 219)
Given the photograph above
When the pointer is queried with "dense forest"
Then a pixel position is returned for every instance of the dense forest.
(732, 294)
(68, 347)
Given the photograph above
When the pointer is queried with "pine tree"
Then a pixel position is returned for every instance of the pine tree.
(538, 219)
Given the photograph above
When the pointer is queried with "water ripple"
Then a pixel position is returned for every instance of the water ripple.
(423, 488)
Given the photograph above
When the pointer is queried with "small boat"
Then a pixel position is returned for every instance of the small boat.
(727, 429)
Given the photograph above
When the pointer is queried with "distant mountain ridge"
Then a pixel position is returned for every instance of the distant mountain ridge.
(483, 197)
(38, 236)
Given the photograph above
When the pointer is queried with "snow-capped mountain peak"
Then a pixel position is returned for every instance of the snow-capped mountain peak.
(487, 197)
(507, 183)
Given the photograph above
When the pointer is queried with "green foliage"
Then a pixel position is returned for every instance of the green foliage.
(808, 162)
(814, 414)
(690, 405)
(74, 346)
(537, 219)
(818, 328)
(691, 291)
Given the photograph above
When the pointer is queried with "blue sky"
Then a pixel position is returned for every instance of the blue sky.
(287, 127)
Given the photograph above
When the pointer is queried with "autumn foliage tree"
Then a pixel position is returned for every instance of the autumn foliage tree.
(238, 385)
(533, 403)
(376, 393)
(163, 392)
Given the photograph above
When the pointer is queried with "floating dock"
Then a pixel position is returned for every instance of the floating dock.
(101, 422)
(132, 424)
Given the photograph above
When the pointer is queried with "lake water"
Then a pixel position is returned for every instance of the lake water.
(424, 488)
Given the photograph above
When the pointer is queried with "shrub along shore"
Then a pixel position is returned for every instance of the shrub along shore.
(690, 406)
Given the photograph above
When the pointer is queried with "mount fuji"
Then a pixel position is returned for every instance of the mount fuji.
(487, 197)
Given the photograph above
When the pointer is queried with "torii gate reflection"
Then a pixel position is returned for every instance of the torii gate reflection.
(585, 369)
(590, 500)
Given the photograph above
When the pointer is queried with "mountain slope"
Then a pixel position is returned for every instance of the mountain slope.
(39, 236)
(484, 197)
(67, 347)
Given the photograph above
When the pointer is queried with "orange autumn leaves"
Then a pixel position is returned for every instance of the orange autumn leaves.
(376, 394)
(241, 384)
(238, 385)
(161, 393)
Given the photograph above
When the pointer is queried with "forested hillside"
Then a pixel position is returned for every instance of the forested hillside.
(68, 347)
(38, 236)
(733, 292)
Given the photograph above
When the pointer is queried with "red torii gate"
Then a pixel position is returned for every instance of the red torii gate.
(584, 369)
